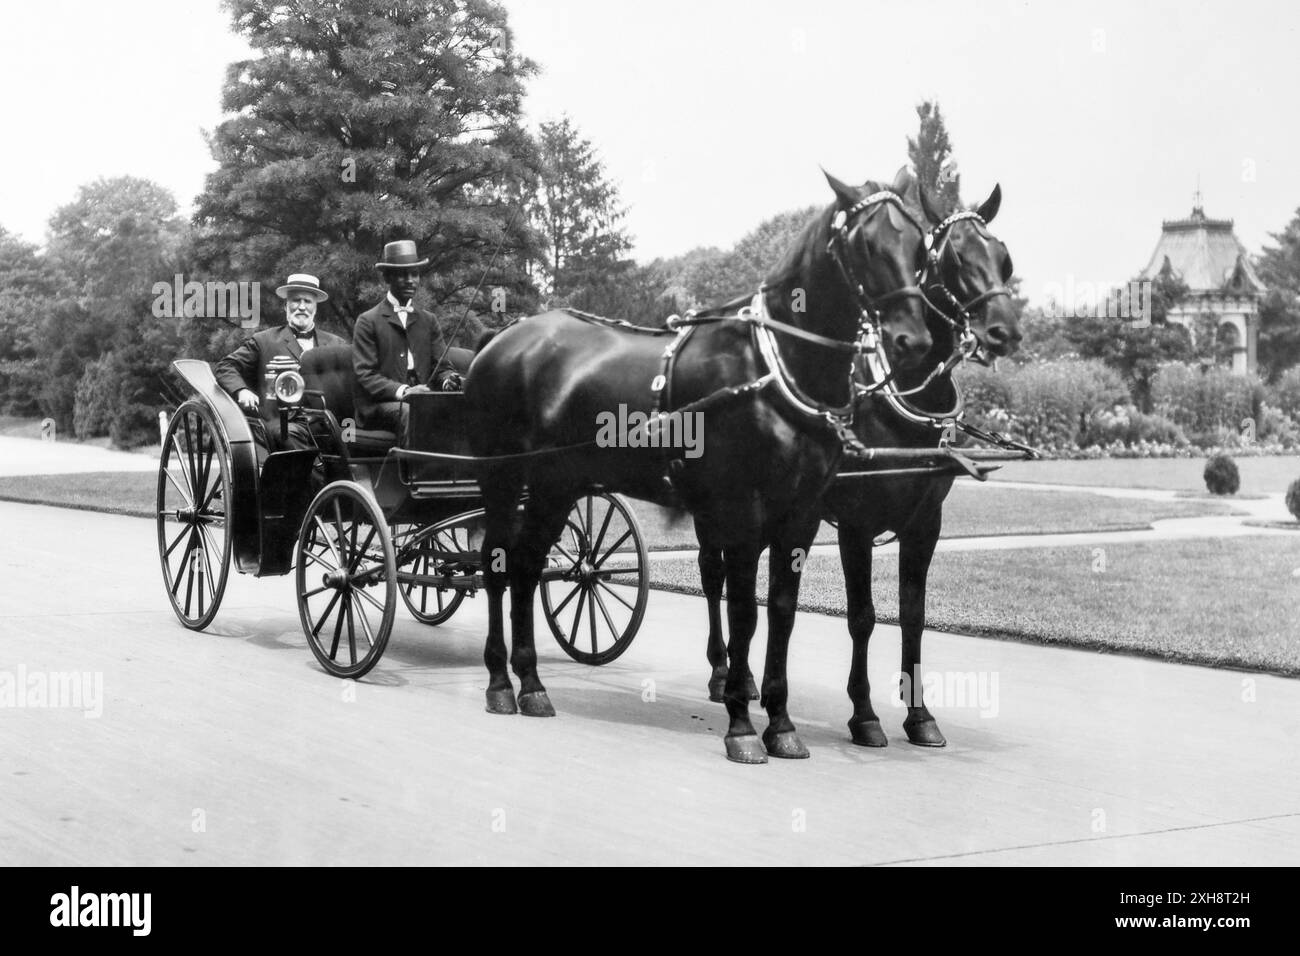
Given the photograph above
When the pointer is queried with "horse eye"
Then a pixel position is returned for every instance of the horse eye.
(1008, 270)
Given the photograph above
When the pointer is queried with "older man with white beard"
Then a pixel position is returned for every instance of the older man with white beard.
(243, 371)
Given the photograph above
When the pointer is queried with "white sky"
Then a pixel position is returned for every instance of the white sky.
(1096, 117)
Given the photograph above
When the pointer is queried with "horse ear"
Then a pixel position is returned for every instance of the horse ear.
(930, 212)
(902, 181)
(989, 208)
(846, 195)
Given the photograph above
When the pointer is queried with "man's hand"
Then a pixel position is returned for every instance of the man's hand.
(415, 390)
(247, 399)
(454, 382)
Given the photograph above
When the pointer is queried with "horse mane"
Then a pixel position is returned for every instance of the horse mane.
(792, 261)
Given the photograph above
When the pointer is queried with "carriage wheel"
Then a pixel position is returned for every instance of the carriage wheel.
(429, 604)
(597, 580)
(193, 533)
(345, 570)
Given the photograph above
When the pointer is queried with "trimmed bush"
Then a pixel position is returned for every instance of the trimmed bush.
(1293, 499)
(1221, 475)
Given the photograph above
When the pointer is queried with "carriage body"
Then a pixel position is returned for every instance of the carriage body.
(361, 521)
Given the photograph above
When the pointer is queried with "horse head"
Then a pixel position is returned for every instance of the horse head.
(966, 276)
(879, 247)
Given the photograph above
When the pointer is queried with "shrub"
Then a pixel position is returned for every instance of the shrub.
(1221, 475)
(1286, 393)
(1209, 405)
(1127, 426)
(1293, 499)
(1048, 404)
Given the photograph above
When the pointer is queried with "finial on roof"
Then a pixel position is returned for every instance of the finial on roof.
(1198, 210)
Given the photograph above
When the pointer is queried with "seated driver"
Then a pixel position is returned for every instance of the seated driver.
(242, 372)
(398, 349)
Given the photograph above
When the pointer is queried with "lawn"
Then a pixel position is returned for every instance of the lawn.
(1263, 475)
(969, 511)
(1224, 602)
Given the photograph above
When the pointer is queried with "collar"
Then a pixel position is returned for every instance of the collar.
(397, 306)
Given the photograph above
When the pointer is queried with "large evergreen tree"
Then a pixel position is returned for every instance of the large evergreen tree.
(577, 211)
(357, 124)
(931, 156)
(1279, 312)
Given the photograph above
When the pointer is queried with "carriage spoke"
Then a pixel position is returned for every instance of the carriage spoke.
(616, 596)
(359, 592)
(564, 551)
(319, 559)
(605, 611)
(325, 537)
(613, 547)
(338, 628)
(180, 569)
(189, 502)
(577, 618)
(576, 589)
(604, 526)
(312, 594)
(361, 552)
(591, 615)
(315, 631)
(365, 622)
(352, 632)
(185, 529)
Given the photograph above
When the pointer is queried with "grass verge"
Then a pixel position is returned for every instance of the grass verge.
(1222, 602)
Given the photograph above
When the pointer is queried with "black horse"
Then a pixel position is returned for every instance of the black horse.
(965, 277)
(772, 392)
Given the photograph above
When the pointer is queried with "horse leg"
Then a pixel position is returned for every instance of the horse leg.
(785, 566)
(855, 557)
(544, 520)
(499, 500)
(743, 745)
(713, 573)
(914, 554)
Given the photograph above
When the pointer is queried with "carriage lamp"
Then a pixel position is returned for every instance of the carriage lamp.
(289, 387)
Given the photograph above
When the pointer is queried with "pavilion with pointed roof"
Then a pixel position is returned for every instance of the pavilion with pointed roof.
(1206, 254)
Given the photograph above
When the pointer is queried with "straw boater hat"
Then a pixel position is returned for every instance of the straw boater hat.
(401, 255)
(302, 282)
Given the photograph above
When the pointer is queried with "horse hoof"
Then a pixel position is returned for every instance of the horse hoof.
(785, 745)
(745, 749)
(868, 733)
(924, 733)
(716, 687)
(501, 702)
(536, 704)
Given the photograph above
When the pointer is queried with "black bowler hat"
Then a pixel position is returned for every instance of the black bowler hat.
(401, 255)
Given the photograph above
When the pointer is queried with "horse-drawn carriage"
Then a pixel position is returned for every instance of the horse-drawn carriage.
(361, 521)
(802, 405)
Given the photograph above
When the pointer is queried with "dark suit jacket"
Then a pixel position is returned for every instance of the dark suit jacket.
(379, 345)
(246, 366)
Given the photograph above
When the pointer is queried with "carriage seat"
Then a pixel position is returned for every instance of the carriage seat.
(329, 370)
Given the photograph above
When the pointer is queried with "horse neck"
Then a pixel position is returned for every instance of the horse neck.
(811, 294)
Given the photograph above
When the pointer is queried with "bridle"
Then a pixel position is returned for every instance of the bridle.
(930, 279)
(870, 321)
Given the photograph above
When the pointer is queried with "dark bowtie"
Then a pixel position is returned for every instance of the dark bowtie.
(305, 335)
